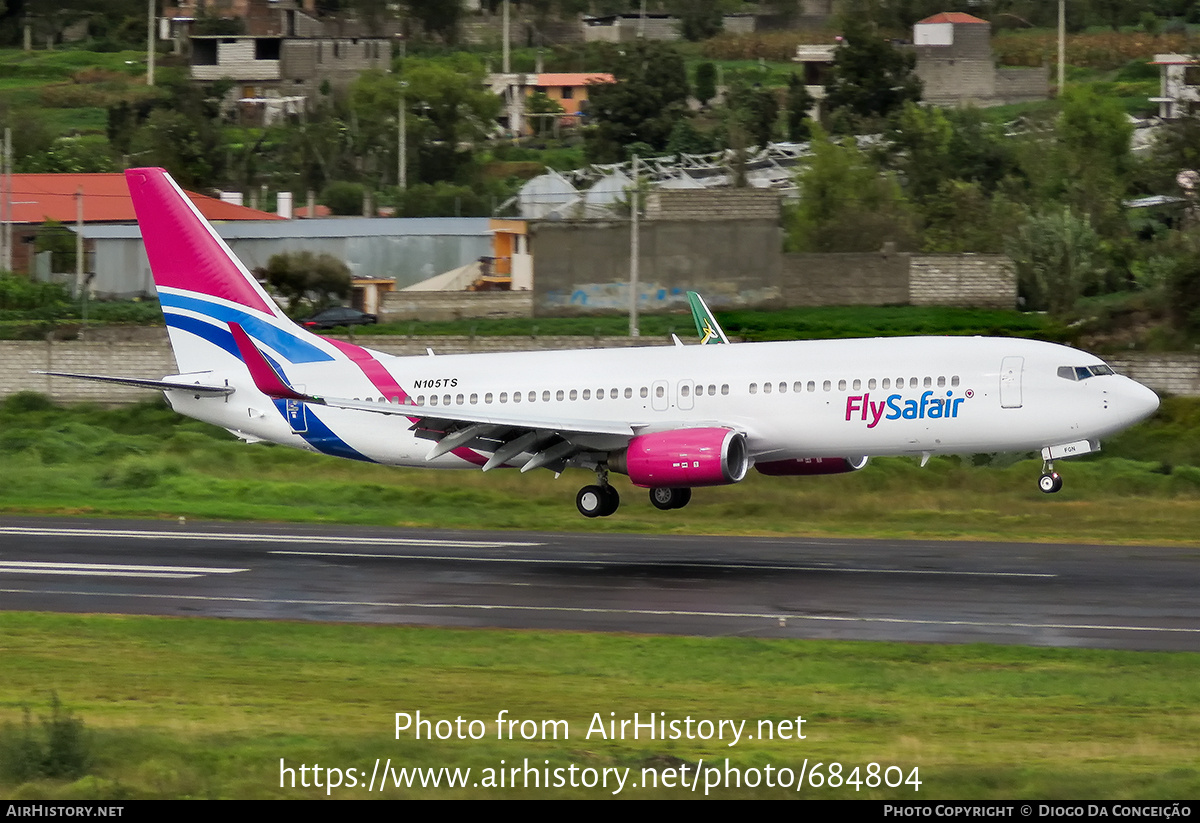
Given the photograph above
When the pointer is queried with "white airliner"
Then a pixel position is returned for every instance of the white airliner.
(671, 418)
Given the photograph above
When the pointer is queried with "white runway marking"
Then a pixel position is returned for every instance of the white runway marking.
(265, 538)
(773, 617)
(608, 561)
(110, 570)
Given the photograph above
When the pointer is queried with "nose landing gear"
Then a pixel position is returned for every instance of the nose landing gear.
(1049, 482)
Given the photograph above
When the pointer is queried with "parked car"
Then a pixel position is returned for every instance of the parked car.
(339, 316)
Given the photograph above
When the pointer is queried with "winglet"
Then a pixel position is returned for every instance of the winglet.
(266, 379)
(707, 327)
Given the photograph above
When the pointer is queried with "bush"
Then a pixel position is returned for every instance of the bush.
(59, 749)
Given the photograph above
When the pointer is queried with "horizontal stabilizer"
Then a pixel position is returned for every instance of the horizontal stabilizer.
(266, 379)
(140, 383)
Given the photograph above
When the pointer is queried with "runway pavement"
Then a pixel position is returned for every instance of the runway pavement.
(924, 591)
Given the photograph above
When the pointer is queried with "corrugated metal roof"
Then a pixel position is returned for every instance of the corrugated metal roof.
(38, 197)
(952, 17)
(332, 227)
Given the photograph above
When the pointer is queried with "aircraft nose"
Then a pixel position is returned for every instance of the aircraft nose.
(1139, 401)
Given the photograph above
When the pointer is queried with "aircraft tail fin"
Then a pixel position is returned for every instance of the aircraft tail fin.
(203, 287)
(707, 327)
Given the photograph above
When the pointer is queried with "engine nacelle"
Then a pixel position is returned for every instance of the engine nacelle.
(684, 458)
(810, 466)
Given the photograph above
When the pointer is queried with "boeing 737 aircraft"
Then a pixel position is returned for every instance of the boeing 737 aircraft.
(671, 418)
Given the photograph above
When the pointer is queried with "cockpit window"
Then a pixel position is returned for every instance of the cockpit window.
(1083, 372)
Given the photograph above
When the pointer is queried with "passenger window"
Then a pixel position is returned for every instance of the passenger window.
(887, 383)
(516, 397)
(812, 385)
(712, 389)
(928, 382)
(941, 382)
(766, 388)
(474, 399)
(841, 385)
(782, 388)
(754, 388)
(954, 380)
(546, 396)
(684, 391)
(797, 386)
(628, 392)
(559, 395)
(659, 391)
(871, 383)
(827, 386)
(599, 394)
(724, 388)
(574, 394)
(421, 400)
(645, 392)
(857, 385)
(446, 399)
(433, 399)
(532, 396)
(487, 398)
(587, 394)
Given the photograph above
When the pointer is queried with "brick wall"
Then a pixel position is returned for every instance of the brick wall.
(712, 204)
(1018, 84)
(1170, 373)
(983, 280)
(454, 305)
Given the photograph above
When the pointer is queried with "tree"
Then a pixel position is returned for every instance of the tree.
(706, 83)
(847, 204)
(755, 108)
(869, 78)
(1057, 257)
(302, 275)
(798, 108)
(698, 19)
(438, 17)
(649, 95)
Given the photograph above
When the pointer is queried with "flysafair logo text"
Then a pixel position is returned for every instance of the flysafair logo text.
(895, 407)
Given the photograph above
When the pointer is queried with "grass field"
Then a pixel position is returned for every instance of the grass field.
(207, 708)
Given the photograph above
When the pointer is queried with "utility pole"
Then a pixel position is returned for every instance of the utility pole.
(1062, 45)
(6, 205)
(402, 162)
(635, 243)
(150, 21)
(79, 286)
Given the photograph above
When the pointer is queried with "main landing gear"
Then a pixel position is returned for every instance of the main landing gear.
(1049, 482)
(600, 500)
(666, 499)
(597, 501)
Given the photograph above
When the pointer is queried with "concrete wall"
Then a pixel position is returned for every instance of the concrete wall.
(845, 279)
(583, 267)
(1170, 373)
(1020, 84)
(454, 305)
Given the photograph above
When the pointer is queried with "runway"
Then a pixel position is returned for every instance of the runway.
(922, 591)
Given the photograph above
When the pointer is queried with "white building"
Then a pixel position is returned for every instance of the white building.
(1180, 91)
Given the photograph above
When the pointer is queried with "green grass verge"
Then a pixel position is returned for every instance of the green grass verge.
(206, 708)
(146, 461)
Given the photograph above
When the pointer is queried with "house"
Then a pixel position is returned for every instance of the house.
(957, 68)
(285, 59)
(568, 90)
(1180, 92)
(93, 199)
(816, 61)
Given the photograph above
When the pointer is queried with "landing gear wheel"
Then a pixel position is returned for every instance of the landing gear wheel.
(590, 501)
(611, 501)
(597, 501)
(1050, 483)
(667, 499)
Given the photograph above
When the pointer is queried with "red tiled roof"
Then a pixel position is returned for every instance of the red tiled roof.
(38, 197)
(574, 79)
(952, 17)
